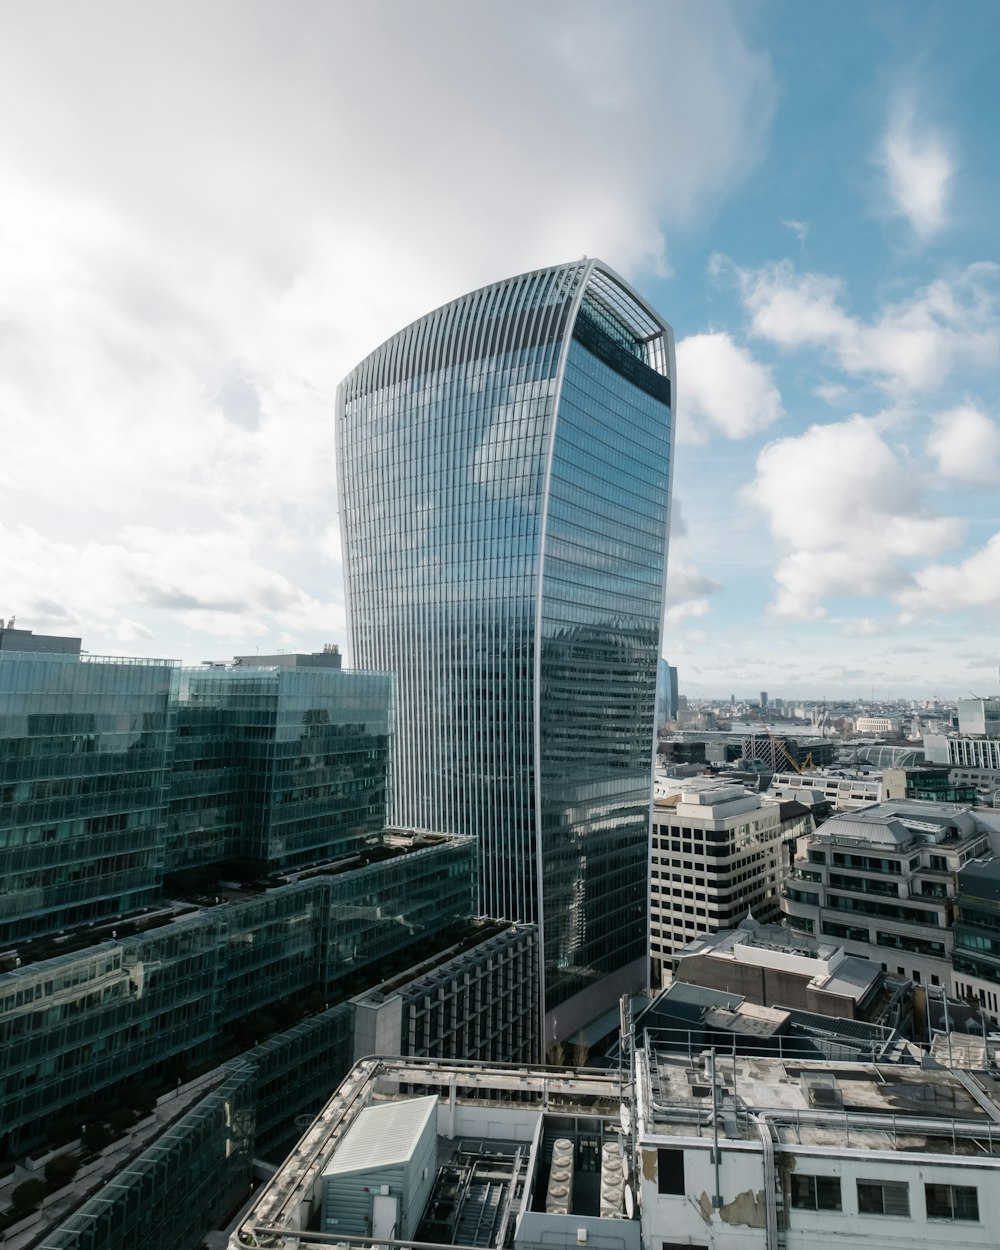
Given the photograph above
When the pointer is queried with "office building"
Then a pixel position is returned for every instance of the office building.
(689, 1151)
(85, 749)
(842, 791)
(979, 718)
(881, 880)
(287, 765)
(505, 471)
(181, 988)
(718, 851)
(976, 753)
(925, 782)
(24, 640)
(976, 932)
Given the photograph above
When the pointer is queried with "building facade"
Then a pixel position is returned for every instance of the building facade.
(505, 473)
(286, 764)
(85, 750)
(718, 851)
(83, 1022)
(882, 881)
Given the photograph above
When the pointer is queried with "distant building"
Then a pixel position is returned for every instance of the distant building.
(888, 725)
(12, 639)
(329, 657)
(840, 791)
(981, 753)
(934, 785)
(979, 718)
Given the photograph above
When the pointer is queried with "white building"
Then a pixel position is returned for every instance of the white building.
(842, 791)
(679, 1150)
(876, 725)
(718, 850)
(982, 753)
(979, 718)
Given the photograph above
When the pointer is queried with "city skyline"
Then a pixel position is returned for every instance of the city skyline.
(209, 216)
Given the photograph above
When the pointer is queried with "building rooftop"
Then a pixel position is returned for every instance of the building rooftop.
(504, 1131)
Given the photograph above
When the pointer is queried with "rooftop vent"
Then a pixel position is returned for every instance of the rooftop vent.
(822, 1091)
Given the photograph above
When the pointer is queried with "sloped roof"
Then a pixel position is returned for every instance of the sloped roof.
(384, 1135)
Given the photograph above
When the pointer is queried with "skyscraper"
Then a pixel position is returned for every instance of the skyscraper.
(505, 469)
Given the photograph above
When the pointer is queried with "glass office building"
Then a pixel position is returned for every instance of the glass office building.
(288, 766)
(85, 748)
(505, 472)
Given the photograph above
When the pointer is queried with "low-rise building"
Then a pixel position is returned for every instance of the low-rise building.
(674, 1151)
(843, 791)
(778, 967)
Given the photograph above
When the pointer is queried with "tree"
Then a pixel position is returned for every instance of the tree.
(60, 1170)
(27, 1196)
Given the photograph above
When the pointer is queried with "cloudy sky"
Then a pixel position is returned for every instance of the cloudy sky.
(209, 213)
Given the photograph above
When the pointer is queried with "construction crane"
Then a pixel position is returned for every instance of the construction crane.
(778, 749)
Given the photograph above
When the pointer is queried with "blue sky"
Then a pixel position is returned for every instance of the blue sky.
(208, 214)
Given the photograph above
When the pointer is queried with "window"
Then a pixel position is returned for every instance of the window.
(816, 1193)
(952, 1202)
(883, 1198)
(670, 1171)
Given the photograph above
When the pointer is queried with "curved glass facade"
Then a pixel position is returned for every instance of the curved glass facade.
(505, 468)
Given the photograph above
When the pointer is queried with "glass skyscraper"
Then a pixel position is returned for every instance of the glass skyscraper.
(505, 470)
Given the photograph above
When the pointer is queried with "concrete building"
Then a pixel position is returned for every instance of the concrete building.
(717, 851)
(777, 967)
(329, 657)
(504, 481)
(888, 725)
(881, 880)
(979, 753)
(979, 718)
(842, 791)
(476, 1001)
(976, 953)
(749, 1152)
(23, 640)
(925, 782)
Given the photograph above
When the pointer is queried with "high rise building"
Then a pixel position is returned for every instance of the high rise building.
(505, 470)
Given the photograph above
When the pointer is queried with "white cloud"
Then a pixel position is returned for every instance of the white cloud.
(831, 392)
(919, 169)
(914, 344)
(848, 513)
(966, 445)
(722, 390)
(799, 228)
(688, 592)
(941, 588)
(188, 276)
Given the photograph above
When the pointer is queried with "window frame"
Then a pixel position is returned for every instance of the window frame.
(814, 1188)
(883, 1186)
(952, 1190)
